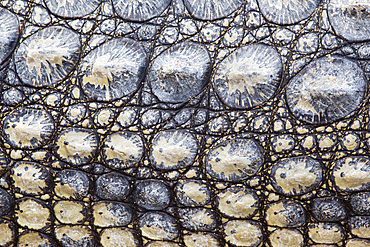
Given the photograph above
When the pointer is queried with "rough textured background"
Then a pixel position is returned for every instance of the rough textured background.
(184, 123)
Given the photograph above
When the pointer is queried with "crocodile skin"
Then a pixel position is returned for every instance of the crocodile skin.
(184, 123)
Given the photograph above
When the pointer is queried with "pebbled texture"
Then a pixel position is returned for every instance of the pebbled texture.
(184, 123)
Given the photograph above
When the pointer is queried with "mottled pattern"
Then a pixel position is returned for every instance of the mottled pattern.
(249, 76)
(234, 160)
(350, 19)
(296, 176)
(287, 11)
(140, 10)
(113, 70)
(71, 8)
(211, 9)
(9, 33)
(179, 73)
(327, 89)
(28, 128)
(173, 150)
(47, 57)
(184, 123)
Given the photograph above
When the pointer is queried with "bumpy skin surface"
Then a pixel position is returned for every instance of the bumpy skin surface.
(187, 123)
